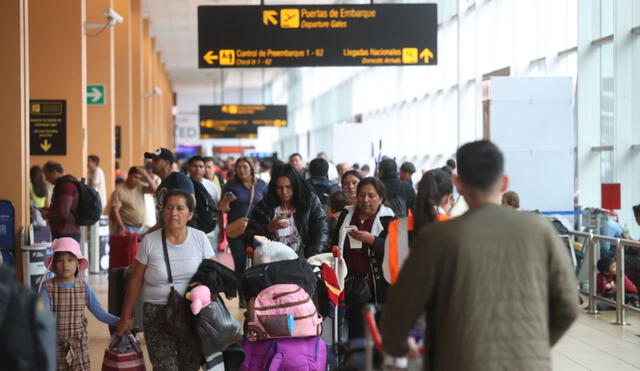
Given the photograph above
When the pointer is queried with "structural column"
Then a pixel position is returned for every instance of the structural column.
(588, 107)
(625, 159)
(57, 71)
(147, 86)
(14, 95)
(123, 83)
(137, 69)
(101, 87)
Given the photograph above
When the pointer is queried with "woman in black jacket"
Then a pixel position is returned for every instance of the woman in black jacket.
(290, 213)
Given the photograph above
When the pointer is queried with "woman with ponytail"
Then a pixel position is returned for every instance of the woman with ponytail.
(433, 202)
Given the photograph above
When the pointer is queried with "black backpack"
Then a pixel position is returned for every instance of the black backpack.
(399, 206)
(323, 192)
(259, 277)
(28, 340)
(89, 207)
(205, 217)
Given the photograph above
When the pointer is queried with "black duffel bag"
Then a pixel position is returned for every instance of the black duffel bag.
(295, 271)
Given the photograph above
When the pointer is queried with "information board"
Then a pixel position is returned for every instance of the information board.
(239, 114)
(48, 127)
(239, 131)
(317, 35)
(239, 120)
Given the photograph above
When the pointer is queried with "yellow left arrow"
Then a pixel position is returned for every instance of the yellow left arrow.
(210, 57)
(425, 55)
(269, 16)
(46, 146)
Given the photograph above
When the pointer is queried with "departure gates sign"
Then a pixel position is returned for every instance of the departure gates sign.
(317, 35)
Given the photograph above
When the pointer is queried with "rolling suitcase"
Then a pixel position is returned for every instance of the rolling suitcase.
(123, 250)
(118, 279)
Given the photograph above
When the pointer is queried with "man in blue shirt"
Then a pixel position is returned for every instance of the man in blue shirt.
(162, 159)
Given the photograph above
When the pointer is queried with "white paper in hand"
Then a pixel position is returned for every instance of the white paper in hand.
(353, 243)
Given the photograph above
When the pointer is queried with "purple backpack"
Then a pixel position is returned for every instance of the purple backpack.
(287, 354)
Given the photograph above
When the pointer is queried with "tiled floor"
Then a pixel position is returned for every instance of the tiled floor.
(593, 343)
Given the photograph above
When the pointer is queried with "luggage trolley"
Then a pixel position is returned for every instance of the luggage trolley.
(373, 341)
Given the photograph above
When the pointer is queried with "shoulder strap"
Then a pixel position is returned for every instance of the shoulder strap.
(253, 188)
(166, 257)
(342, 217)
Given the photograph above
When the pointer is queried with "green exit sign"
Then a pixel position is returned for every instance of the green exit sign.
(95, 95)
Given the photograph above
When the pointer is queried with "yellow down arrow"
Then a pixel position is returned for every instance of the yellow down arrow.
(210, 57)
(269, 16)
(46, 146)
(425, 55)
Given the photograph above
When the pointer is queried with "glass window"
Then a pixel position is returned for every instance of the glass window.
(606, 111)
(606, 18)
(635, 6)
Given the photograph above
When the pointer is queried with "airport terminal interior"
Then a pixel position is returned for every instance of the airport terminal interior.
(283, 118)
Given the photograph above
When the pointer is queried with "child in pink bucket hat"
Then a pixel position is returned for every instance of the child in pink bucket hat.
(66, 295)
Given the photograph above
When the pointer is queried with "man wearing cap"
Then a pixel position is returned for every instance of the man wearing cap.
(162, 161)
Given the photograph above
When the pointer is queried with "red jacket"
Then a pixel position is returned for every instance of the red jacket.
(606, 283)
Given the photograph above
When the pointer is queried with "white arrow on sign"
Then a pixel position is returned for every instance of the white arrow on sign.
(95, 94)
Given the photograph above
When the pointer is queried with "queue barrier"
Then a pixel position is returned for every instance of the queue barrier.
(591, 248)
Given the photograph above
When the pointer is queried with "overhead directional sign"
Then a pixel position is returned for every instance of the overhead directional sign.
(231, 120)
(223, 132)
(317, 35)
(95, 95)
(48, 127)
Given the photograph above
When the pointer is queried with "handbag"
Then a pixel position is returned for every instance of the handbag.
(124, 353)
(237, 227)
(217, 328)
(178, 317)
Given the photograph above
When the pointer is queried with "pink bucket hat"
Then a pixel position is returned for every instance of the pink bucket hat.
(67, 244)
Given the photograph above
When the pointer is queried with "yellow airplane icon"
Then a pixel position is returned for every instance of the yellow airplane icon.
(289, 18)
(409, 55)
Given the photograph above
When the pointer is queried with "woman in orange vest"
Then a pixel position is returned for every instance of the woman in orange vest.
(433, 202)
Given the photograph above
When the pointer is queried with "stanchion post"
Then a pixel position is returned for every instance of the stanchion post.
(368, 349)
(336, 318)
(620, 311)
(592, 309)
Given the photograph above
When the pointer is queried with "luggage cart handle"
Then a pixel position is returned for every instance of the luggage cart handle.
(372, 328)
(249, 251)
(335, 250)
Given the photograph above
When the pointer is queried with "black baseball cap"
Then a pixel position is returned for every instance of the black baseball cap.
(161, 153)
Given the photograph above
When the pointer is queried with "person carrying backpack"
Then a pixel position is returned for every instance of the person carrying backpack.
(205, 217)
(162, 160)
(319, 180)
(401, 196)
(60, 215)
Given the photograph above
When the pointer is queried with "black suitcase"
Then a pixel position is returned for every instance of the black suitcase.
(118, 279)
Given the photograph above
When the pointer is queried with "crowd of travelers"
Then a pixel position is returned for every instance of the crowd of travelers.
(485, 286)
